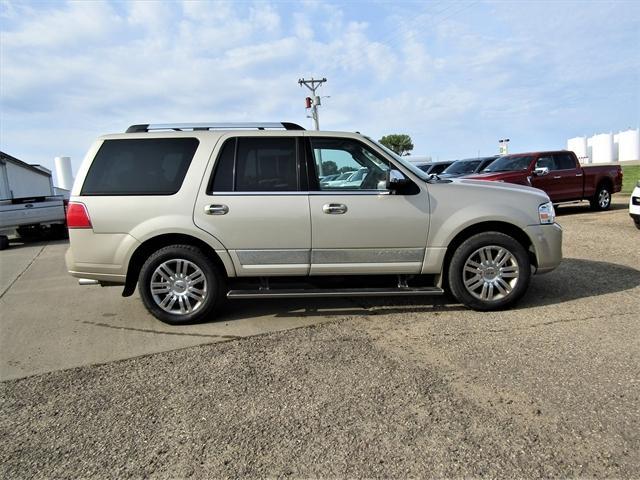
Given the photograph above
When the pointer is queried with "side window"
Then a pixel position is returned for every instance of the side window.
(140, 166)
(256, 164)
(564, 161)
(546, 162)
(222, 180)
(344, 164)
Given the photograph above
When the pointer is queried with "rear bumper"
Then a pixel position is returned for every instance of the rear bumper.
(547, 244)
(102, 257)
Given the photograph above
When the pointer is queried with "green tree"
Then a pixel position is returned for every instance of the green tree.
(329, 167)
(398, 142)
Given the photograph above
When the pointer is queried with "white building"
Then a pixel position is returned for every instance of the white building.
(607, 147)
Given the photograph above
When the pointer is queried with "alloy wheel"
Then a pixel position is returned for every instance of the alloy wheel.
(491, 273)
(178, 286)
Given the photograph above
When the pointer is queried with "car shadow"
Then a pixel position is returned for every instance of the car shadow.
(577, 278)
(584, 207)
(335, 307)
(574, 279)
(17, 243)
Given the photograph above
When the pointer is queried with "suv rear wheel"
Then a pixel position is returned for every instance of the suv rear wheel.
(489, 271)
(179, 284)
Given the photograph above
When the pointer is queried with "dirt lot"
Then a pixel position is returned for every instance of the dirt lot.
(366, 388)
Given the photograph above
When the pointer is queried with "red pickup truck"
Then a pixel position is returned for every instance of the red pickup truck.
(559, 174)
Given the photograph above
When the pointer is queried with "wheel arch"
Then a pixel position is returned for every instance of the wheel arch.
(489, 226)
(153, 244)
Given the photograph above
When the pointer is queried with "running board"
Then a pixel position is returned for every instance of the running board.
(340, 292)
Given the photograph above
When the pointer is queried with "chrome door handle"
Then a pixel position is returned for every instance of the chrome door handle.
(557, 177)
(578, 174)
(216, 209)
(334, 208)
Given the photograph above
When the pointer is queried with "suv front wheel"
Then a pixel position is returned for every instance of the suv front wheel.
(179, 284)
(489, 271)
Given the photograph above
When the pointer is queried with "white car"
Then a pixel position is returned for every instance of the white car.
(634, 205)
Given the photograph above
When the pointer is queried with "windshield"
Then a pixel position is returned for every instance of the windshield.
(509, 164)
(408, 165)
(462, 167)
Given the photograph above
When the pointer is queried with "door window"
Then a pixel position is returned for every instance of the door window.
(564, 161)
(547, 162)
(344, 164)
(256, 164)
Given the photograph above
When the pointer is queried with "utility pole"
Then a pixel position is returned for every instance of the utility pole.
(314, 101)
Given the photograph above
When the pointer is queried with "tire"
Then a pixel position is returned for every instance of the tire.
(602, 199)
(637, 222)
(489, 271)
(170, 268)
(4, 242)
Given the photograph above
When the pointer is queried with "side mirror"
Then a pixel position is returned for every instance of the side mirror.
(541, 171)
(396, 180)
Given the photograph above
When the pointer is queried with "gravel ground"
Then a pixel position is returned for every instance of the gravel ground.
(392, 388)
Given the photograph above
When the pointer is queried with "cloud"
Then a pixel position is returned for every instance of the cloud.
(452, 74)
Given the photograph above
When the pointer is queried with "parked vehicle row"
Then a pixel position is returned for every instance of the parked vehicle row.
(559, 174)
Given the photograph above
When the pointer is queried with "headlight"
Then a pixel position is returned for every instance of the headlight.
(546, 213)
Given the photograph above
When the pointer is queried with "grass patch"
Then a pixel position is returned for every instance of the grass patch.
(631, 174)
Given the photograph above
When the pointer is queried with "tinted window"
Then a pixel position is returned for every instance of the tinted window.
(438, 168)
(223, 176)
(564, 161)
(509, 164)
(154, 166)
(462, 167)
(266, 164)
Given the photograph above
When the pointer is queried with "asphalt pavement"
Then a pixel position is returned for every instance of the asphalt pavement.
(352, 388)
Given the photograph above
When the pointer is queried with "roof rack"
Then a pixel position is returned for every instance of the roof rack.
(178, 127)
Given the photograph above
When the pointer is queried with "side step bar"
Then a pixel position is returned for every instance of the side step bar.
(340, 292)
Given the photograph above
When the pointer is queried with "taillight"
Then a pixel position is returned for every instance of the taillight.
(77, 216)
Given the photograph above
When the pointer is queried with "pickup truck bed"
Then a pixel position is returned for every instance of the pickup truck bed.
(23, 213)
(559, 174)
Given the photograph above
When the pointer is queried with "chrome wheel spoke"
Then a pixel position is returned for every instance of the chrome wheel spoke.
(160, 287)
(195, 277)
(503, 286)
(485, 291)
(164, 272)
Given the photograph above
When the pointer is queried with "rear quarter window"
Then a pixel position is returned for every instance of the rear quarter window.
(153, 166)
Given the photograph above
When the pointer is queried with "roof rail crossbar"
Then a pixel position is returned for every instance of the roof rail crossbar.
(211, 126)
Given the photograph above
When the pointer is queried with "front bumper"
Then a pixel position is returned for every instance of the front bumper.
(547, 244)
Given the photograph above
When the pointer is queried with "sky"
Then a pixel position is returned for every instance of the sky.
(454, 75)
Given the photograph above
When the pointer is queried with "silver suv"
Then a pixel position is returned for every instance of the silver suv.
(196, 213)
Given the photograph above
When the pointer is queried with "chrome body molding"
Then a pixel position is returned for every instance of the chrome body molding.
(330, 256)
(367, 255)
(273, 257)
